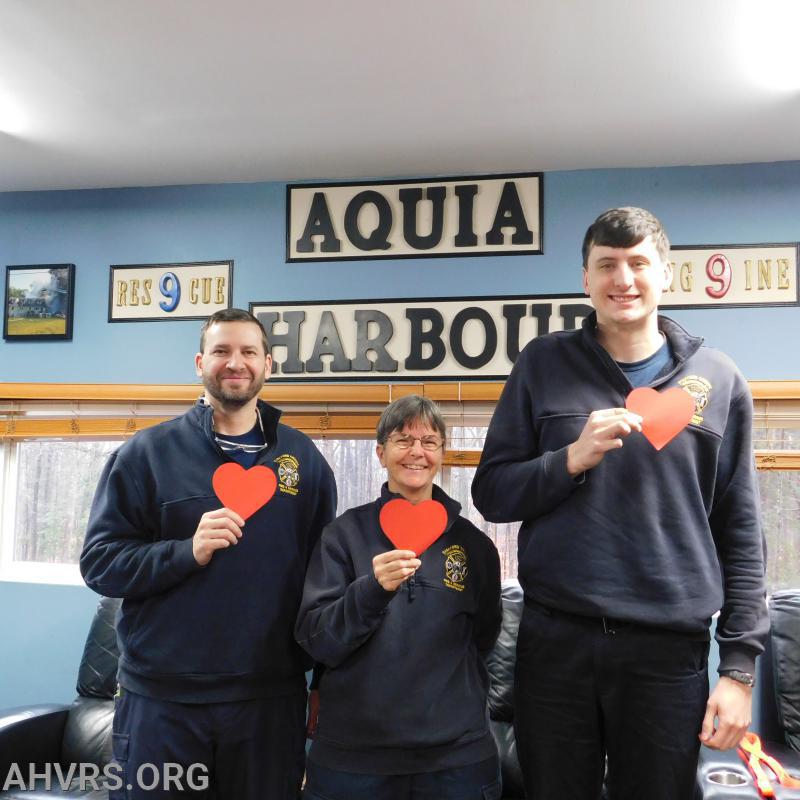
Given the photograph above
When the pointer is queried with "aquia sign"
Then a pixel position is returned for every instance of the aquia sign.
(486, 215)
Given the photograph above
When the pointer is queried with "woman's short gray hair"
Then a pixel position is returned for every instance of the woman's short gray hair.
(407, 410)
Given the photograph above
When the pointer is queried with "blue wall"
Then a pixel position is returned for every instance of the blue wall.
(246, 223)
(43, 628)
(42, 633)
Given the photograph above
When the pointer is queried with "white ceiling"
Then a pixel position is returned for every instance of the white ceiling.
(147, 92)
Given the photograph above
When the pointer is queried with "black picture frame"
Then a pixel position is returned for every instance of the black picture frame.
(39, 302)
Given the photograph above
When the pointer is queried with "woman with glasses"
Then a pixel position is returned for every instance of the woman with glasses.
(402, 635)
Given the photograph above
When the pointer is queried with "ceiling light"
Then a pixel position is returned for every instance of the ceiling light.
(13, 119)
(767, 43)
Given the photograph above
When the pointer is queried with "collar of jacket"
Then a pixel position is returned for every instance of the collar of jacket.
(682, 344)
(204, 414)
(453, 507)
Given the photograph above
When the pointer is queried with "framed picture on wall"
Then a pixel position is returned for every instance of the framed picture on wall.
(39, 302)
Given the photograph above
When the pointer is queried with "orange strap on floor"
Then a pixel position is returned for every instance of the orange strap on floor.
(752, 755)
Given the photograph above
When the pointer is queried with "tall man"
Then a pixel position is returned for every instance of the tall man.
(209, 671)
(625, 553)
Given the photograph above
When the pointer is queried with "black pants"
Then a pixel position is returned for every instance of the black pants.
(245, 750)
(479, 781)
(585, 690)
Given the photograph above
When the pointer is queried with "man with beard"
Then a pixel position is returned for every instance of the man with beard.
(209, 673)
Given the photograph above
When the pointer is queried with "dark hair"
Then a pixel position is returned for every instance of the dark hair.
(406, 410)
(625, 227)
(232, 315)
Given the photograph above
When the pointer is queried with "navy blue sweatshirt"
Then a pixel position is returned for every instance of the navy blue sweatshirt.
(660, 538)
(223, 631)
(404, 689)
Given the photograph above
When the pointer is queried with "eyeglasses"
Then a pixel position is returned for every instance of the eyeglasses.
(429, 443)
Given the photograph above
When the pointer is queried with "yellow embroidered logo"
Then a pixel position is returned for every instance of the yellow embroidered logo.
(700, 390)
(455, 567)
(288, 474)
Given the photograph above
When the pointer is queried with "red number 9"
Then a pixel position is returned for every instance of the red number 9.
(720, 275)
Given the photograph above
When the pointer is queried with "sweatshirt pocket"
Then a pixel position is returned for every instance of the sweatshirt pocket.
(180, 518)
(558, 430)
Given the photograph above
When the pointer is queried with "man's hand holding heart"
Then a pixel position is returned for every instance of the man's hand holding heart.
(243, 492)
(604, 431)
(216, 530)
(660, 416)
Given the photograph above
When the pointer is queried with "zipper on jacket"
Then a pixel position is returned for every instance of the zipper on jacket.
(412, 582)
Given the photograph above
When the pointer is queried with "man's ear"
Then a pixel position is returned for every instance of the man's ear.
(379, 452)
(267, 367)
(198, 365)
(585, 281)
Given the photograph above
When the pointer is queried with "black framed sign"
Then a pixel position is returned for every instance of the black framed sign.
(39, 302)
(419, 339)
(421, 218)
(733, 276)
(150, 292)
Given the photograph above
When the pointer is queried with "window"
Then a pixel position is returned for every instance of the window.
(780, 516)
(47, 494)
(780, 499)
(359, 474)
(54, 441)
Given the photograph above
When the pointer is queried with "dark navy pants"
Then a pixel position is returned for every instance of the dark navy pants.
(584, 690)
(245, 750)
(479, 781)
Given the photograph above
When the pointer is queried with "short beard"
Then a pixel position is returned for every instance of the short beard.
(232, 401)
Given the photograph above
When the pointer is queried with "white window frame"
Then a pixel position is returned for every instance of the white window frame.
(12, 570)
(778, 405)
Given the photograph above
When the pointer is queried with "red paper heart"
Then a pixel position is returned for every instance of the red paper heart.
(244, 490)
(664, 414)
(413, 527)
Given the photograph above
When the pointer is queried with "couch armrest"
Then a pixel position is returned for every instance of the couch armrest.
(31, 735)
(722, 775)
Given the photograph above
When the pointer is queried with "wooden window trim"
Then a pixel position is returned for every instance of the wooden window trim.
(306, 393)
(333, 414)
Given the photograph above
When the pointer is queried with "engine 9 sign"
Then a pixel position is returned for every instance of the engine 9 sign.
(710, 276)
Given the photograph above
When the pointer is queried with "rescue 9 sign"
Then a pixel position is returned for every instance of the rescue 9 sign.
(168, 291)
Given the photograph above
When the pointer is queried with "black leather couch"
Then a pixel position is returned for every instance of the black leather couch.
(66, 734)
(776, 717)
(501, 690)
(81, 732)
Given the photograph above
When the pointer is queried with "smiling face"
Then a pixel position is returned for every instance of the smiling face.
(625, 284)
(411, 471)
(233, 363)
